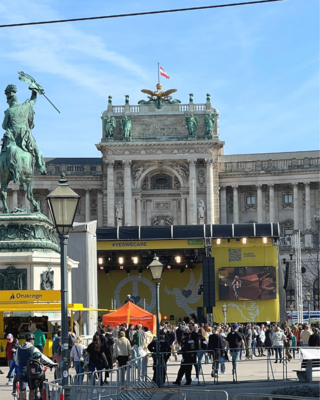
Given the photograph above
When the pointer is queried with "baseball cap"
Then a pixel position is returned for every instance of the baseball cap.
(10, 336)
(235, 326)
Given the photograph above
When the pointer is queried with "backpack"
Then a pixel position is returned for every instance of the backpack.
(35, 370)
(72, 340)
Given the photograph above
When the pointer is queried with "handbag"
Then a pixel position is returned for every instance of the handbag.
(81, 359)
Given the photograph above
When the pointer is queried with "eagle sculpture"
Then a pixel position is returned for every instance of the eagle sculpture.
(158, 96)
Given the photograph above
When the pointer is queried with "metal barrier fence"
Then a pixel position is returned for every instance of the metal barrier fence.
(251, 396)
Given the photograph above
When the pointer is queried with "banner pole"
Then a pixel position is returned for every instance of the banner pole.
(158, 72)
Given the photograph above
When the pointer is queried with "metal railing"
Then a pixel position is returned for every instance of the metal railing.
(255, 396)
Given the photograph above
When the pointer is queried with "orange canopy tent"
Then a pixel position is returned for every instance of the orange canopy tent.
(132, 314)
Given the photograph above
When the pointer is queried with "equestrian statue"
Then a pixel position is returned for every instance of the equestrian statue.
(19, 151)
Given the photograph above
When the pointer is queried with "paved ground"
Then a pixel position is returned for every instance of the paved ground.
(248, 371)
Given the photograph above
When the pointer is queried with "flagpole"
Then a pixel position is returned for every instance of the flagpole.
(158, 72)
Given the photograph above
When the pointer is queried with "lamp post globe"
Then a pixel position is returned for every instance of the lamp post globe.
(156, 269)
(63, 203)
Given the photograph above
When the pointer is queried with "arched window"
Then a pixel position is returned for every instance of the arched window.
(161, 181)
(316, 294)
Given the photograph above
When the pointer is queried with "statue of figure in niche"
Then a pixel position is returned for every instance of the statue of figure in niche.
(47, 280)
(119, 213)
(120, 179)
(201, 211)
(13, 279)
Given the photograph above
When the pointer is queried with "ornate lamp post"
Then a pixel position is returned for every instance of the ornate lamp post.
(291, 309)
(308, 299)
(224, 310)
(63, 202)
(156, 269)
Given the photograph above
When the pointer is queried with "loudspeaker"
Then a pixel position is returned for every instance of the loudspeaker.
(200, 315)
(209, 280)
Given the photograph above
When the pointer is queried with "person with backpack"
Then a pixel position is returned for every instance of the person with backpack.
(188, 359)
(23, 355)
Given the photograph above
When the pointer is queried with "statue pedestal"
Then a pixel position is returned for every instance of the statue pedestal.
(201, 221)
(30, 253)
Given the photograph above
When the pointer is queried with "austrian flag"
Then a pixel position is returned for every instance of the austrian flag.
(163, 73)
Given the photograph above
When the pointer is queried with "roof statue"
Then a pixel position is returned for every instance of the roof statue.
(159, 97)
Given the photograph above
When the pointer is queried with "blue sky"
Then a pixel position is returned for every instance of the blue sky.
(260, 63)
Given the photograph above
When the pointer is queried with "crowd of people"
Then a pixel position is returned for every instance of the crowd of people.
(113, 347)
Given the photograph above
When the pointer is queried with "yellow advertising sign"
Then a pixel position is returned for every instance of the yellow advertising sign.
(150, 244)
(29, 296)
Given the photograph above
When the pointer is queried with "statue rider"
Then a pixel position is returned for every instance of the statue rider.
(18, 121)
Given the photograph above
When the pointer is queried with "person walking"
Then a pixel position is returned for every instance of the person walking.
(216, 346)
(57, 358)
(288, 342)
(97, 357)
(277, 339)
(235, 342)
(203, 347)
(268, 342)
(40, 339)
(193, 328)
(314, 340)
(56, 340)
(165, 351)
(171, 339)
(76, 356)
(261, 340)
(188, 359)
(11, 349)
(248, 336)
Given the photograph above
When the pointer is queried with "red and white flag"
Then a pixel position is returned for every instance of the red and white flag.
(163, 73)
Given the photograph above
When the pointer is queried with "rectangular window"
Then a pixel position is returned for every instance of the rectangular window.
(57, 169)
(70, 168)
(288, 198)
(251, 200)
(78, 168)
(93, 168)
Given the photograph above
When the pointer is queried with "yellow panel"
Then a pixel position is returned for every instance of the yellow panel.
(47, 351)
(178, 291)
(29, 296)
(150, 244)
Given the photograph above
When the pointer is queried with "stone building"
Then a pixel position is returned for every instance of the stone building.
(162, 163)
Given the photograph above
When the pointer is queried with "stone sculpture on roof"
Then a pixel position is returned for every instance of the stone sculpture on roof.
(159, 97)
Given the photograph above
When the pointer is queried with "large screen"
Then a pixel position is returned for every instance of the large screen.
(247, 283)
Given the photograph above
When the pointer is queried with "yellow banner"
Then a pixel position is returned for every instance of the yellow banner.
(150, 244)
(29, 296)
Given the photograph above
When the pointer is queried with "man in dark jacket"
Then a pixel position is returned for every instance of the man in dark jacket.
(165, 351)
(314, 340)
(179, 333)
(188, 358)
(107, 342)
(215, 346)
(195, 337)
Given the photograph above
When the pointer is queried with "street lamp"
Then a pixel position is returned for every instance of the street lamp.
(291, 309)
(308, 298)
(224, 310)
(156, 269)
(63, 203)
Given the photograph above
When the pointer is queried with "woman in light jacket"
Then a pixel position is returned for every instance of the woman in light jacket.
(122, 349)
(277, 342)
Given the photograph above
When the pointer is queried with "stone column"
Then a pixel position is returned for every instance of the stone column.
(192, 192)
(210, 192)
(148, 212)
(259, 205)
(308, 205)
(271, 204)
(100, 207)
(139, 211)
(110, 191)
(235, 205)
(183, 210)
(127, 193)
(87, 208)
(295, 206)
(14, 198)
(223, 200)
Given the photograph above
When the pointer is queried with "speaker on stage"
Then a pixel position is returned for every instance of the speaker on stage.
(209, 298)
